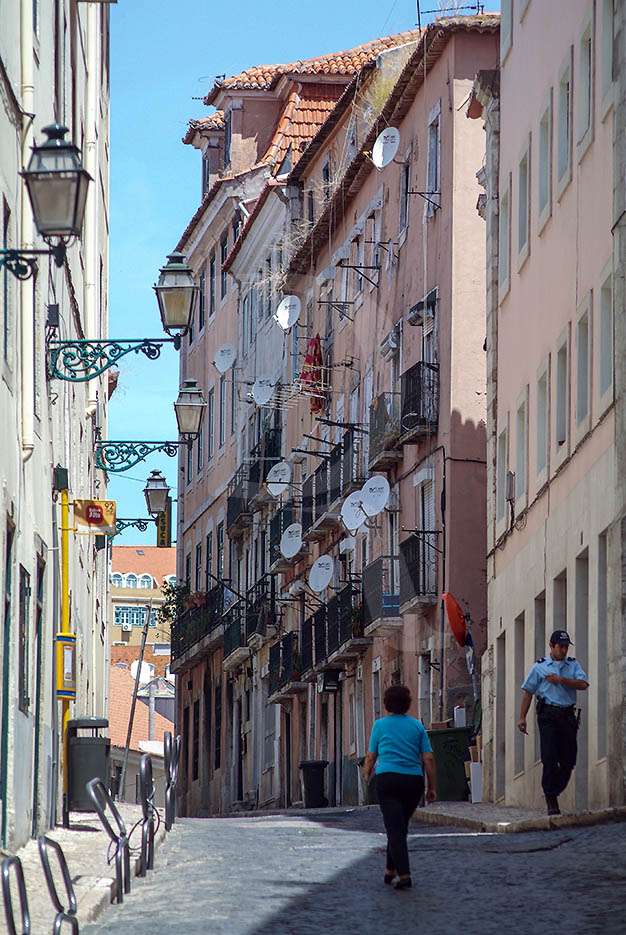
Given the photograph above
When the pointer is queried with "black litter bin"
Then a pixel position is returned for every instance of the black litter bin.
(451, 750)
(87, 758)
(313, 776)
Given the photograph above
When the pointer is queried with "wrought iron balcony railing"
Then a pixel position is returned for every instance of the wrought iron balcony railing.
(278, 523)
(418, 568)
(262, 458)
(352, 475)
(234, 632)
(306, 644)
(261, 606)
(334, 473)
(350, 613)
(332, 624)
(274, 669)
(384, 426)
(237, 500)
(197, 622)
(288, 658)
(419, 401)
(307, 503)
(319, 629)
(381, 593)
(321, 490)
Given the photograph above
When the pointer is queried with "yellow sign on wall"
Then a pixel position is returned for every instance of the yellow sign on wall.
(97, 515)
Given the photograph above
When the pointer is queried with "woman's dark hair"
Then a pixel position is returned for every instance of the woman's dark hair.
(397, 699)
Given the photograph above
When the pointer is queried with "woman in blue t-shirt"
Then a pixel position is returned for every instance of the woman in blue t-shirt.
(401, 745)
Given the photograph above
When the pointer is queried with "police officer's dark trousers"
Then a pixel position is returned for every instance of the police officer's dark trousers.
(398, 797)
(557, 732)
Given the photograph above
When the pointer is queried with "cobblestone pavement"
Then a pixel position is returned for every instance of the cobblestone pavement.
(301, 875)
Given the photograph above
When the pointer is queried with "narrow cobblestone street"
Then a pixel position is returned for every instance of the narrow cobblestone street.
(284, 875)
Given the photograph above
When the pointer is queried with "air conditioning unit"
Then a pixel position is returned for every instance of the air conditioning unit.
(347, 545)
(390, 346)
(297, 587)
(127, 627)
(299, 457)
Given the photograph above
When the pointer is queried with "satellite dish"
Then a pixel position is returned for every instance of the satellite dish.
(263, 390)
(321, 573)
(291, 540)
(375, 494)
(145, 673)
(278, 478)
(224, 358)
(385, 147)
(288, 311)
(352, 512)
(456, 618)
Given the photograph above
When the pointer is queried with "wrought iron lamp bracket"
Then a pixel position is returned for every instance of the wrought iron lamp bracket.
(79, 361)
(140, 524)
(23, 263)
(118, 456)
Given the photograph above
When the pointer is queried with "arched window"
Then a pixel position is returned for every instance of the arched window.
(145, 581)
(131, 581)
(170, 579)
(117, 581)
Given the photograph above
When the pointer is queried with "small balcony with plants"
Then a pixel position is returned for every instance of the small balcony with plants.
(346, 629)
(195, 619)
(261, 619)
(381, 597)
(264, 455)
(289, 680)
(236, 649)
(419, 402)
(385, 449)
(352, 474)
(418, 571)
(324, 519)
(238, 516)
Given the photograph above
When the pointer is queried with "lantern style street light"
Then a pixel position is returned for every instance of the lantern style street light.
(176, 294)
(189, 408)
(57, 188)
(156, 493)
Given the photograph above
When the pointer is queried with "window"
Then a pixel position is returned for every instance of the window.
(405, 186)
(544, 171)
(358, 262)
(605, 369)
(206, 173)
(117, 581)
(198, 583)
(188, 571)
(562, 398)
(294, 353)
(606, 72)
(543, 396)
(227, 137)
(189, 463)
(200, 449)
(23, 687)
(131, 581)
(145, 582)
(433, 177)
(506, 28)
(268, 286)
(232, 401)
(326, 179)
(583, 366)
(504, 236)
(217, 708)
(523, 203)
(245, 314)
(220, 551)
(310, 200)
(195, 748)
(212, 285)
(253, 315)
(222, 419)
(585, 87)
(258, 289)
(210, 420)
(201, 300)
(502, 467)
(564, 126)
(223, 273)
(521, 452)
(208, 568)
(6, 281)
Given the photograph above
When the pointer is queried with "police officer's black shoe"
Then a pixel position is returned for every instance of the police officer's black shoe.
(553, 805)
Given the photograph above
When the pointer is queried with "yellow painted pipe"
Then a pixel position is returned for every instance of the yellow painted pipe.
(65, 614)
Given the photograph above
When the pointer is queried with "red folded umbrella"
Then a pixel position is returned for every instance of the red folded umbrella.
(312, 373)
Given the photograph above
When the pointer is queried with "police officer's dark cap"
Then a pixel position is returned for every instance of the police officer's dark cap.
(560, 637)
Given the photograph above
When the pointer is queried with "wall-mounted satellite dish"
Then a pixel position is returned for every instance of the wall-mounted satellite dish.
(456, 618)
(375, 494)
(263, 390)
(278, 478)
(288, 312)
(352, 512)
(321, 573)
(385, 147)
(224, 358)
(291, 540)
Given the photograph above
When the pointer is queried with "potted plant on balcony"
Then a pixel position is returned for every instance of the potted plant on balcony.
(357, 621)
(296, 668)
(174, 603)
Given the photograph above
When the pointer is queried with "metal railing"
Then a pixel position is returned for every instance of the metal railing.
(351, 467)
(319, 629)
(350, 613)
(419, 399)
(278, 523)
(274, 668)
(64, 915)
(103, 804)
(381, 595)
(307, 503)
(260, 609)
(384, 424)
(197, 622)
(332, 624)
(334, 472)
(263, 456)
(234, 631)
(237, 497)
(321, 490)
(306, 644)
(288, 646)
(146, 791)
(418, 566)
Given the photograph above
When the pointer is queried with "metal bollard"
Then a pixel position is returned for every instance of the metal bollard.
(146, 786)
(63, 915)
(103, 801)
(16, 864)
(172, 754)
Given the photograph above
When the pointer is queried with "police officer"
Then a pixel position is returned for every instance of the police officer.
(555, 679)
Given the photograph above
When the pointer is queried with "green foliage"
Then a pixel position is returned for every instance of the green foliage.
(173, 604)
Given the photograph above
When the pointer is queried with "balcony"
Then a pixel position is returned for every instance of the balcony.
(289, 680)
(419, 402)
(334, 476)
(197, 631)
(384, 441)
(324, 519)
(307, 505)
(261, 611)
(263, 457)
(274, 670)
(236, 649)
(352, 476)
(352, 641)
(306, 649)
(418, 572)
(238, 517)
(381, 597)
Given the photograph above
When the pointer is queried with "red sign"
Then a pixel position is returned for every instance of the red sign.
(95, 516)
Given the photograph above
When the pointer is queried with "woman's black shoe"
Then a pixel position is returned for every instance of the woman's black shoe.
(389, 877)
(403, 884)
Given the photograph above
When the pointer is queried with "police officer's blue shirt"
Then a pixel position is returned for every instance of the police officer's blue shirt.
(537, 684)
(399, 740)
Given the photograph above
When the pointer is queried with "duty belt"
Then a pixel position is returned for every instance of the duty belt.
(557, 709)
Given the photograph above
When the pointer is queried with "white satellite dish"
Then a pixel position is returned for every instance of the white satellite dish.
(224, 358)
(321, 573)
(352, 512)
(375, 494)
(278, 478)
(385, 147)
(291, 540)
(263, 390)
(145, 673)
(288, 312)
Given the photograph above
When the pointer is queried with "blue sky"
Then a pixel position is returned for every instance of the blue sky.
(164, 58)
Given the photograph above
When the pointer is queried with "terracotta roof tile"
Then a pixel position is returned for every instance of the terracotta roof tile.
(212, 122)
(129, 653)
(148, 559)
(303, 115)
(346, 62)
(121, 687)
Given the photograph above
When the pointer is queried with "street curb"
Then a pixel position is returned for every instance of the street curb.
(548, 823)
(95, 901)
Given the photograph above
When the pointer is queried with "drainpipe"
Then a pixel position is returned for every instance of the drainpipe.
(90, 240)
(27, 303)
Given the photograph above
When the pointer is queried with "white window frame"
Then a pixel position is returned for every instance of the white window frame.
(523, 203)
(585, 83)
(502, 467)
(504, 239)
(506, 28)
(606, 65)
(561, 384)
(433, 169)
(521, 451)
(544, 162)
(404, 204)
(564, 105)
(605, 342)
(584, 343)
(210, 423)
(543, 422)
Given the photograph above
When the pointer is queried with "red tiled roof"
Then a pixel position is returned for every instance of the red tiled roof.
(303, 115)
(347, 62)
(144, 559)
(120, 699)
(129, 654)
(212, 122)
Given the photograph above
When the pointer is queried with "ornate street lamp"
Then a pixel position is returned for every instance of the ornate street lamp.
(57, 188)
(156, 493)
(176, 294)
(189, 408)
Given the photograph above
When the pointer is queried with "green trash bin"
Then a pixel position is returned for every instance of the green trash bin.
(87, 759)
(451, 750)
